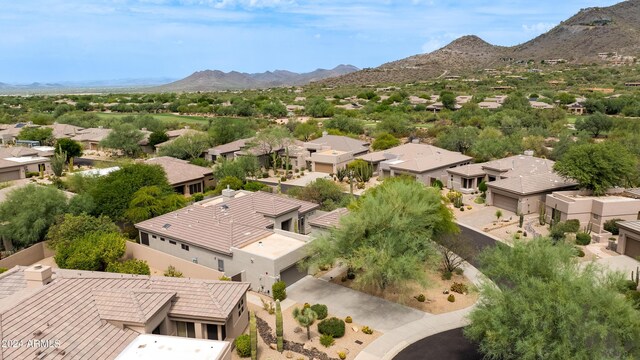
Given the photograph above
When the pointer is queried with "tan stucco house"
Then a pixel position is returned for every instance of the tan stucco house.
(186, 178)
(629, 238)
(329, 153)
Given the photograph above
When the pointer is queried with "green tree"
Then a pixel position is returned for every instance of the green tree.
(68, 228)
(226, 130)
(132, 266)
(385, 141)
(42, 134)
(158, 137)
(388, 235)
(345, 124)
(93, 251)
(305, 130)
(599, 167)
(240, 167)
(187, 147)
(594, 124)
(492, 144)
(27, 213)
(544, 305)
(152, 201)
(318, 107)
(231, 182)
(113, 193)
(70, 147)
(396, 124)
(459, 139)
(321, 191)
(124, 137)
(305, 318)
(448, 100)
(271, 140)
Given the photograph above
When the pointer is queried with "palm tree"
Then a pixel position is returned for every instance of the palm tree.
(305, 318)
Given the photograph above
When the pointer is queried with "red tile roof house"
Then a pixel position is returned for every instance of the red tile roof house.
(69, 314)
(517, 183)
(186, 178)
(425, 162)
(254, 237)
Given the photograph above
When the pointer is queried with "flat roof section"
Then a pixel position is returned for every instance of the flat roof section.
(159, 347)
(274, 246)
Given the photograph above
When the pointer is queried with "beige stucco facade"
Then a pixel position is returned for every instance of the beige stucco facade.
(522, 204)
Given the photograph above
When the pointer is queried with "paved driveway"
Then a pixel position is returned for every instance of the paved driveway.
(448, 345)
(483, 217)
(342, 301)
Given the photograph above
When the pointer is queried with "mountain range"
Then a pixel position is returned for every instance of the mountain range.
(210, 80)
(578, 40)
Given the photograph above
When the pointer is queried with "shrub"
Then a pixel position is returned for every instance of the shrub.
(243, 345)
(283, 179)
(367, 330)
(332, 326)
(461, 208)
(479, 200)
(3, 270)
(197, 197)
(348, 320)
(342, 355)
(172, 272)
(612, 226)
(326, 340)
(265, 175)
(224, 278)
(132, 266)
(279, 290)
(446, 275)
(634, 297)
(583, 238)
(451, 298)
(579, 252)
(460, 288)
(421, 298)
(458, 271)
(254, 186)
(630, 285)
(438, 184)
(321, 310)
(572, 225)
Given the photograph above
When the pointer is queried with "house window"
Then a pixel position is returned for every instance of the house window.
(301, 225)
(185, 329)
(156, 331)
(220, 265)
(185, 247)
(144, 239)
(492, 178)
(240, 307)
(161, 239)
(212, 331)
(172, 242)
(195, 188)
(153, 236)
(467, 183)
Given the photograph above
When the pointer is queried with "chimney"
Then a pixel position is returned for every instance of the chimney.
(528, 152)
(37, 275)
(324, 133)
(228, 194)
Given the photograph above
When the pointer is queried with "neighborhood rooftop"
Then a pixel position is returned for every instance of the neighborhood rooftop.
(532, 184)
(179, 171)
(416, 157)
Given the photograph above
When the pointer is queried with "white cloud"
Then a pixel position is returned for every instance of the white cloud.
(538, 28)
(431, 45)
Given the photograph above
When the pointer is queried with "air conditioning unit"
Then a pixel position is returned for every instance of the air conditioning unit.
(194, 260)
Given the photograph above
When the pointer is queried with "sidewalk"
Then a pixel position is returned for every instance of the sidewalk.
(387, 346)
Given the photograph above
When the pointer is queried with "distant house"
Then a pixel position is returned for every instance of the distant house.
(632, 84)
(174, 134)
(228, 151)
(629, 238)
(323, 223)
(576, 108)
(254, 237)
(540, 105)
(75, 314)
(489, 105)
(9, 134)
(16, 161)
(186, 178)
(64, 131)
(426, 163)
(332, 152)
(90, 138)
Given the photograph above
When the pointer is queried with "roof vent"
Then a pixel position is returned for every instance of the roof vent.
(166, 226)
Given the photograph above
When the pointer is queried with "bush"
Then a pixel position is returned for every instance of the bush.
(2, 269)
(279, 290)
(225, 278)
(172, 272)
(572, 225)
(630, 285)
(479, 200)
(332, 326)
(254, 186)
(446, 275)
(634, 297)
(326, 340)
(583, 238)
(197, 197)
(612, 226)
(451, 298)
(348, 320)
(243, 345)
(579, 252)
(421, 298)
(320, 310)
(132, 266)
(367, 330)
(460, 288)
(342, 355)
(438, 184)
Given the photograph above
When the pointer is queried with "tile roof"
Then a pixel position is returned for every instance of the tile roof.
(532, 184)
(341, 143)
(520, 165)
(17, 151)
(230, 147)
(330, 219)
(180, 171)
(92, 134)
(468, 170)
(76, 308)
(633, 225)
(417, 157)
(64, 130)
(12, 281)
(219, 226)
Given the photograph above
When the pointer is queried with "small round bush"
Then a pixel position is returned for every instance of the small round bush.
(446, 275)
(630, 285)
(332, 326)
(460, 288)
(421, 298)
(451, 298)
(367, 330)
(348, 320)
(583, 238)
(243, 345)
(321, 310)
(326, 340)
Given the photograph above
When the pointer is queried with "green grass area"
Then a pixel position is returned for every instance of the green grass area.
(571, 119)
(161, 117)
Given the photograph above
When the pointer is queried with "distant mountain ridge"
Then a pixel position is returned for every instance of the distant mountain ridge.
(210, 80)
(613, 29)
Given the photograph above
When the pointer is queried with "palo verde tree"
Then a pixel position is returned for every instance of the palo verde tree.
(124, 137)
(543, 304)
(387, 237)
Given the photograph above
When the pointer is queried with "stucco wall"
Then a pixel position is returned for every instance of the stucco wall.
(28, 256)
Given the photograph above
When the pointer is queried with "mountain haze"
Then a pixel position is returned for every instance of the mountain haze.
(209, 80)
(577, 40)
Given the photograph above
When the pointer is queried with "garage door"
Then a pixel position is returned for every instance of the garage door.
(324, 168)
(10, 175)
(505, 202)
(632, 247)
(291, 275)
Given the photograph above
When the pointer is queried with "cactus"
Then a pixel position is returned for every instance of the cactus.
(253, 333)
(636, 279)
(279, 329)
(521, 221)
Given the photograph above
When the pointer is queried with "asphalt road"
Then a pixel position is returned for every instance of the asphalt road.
(448, 345)
(478, 240)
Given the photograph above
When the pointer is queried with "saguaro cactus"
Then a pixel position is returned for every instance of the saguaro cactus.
(253, 332)
(279, 329)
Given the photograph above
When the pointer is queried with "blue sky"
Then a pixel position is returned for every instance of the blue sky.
(78, 40)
